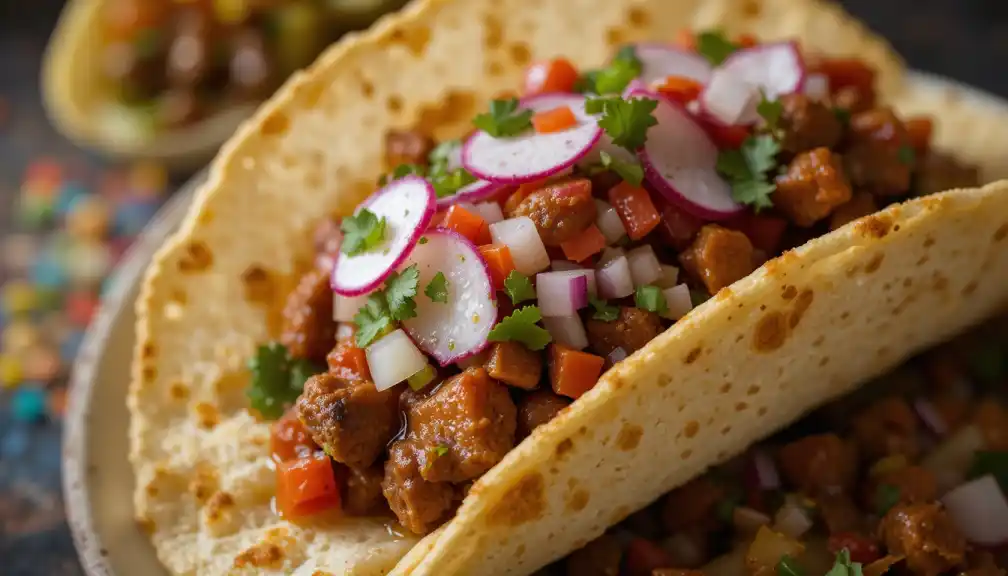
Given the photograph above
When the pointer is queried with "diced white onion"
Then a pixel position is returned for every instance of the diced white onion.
(817, 86)
(684, 550)
(678, 300)
(669, 276)
(748, 519)
(644, 266)
(930, 416)
(490, 211)
(566, 330)
(614, 279)
(521, 237)
(617, 355)
(609, 254)
(564, 265)
(346, 307)
(393, 358)
(344, 331)
(609, 222)
(561, 293)
(979, 509)
(792, 520)
(728, 98)
(953, 456)
(588, 273)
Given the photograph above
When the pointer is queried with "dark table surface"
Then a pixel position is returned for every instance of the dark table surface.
(962, 39)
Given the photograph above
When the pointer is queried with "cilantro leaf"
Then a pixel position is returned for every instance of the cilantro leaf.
(597, 105)
(753, 193)
(886, 496)
(437, 288)
(448, 182)
(585, 83)
(441, 450)
(732, 165)
(372, 320)
(444, 152)
(401, 171)
(277, 380)
(521, 326)
(627, 121)
(788, 567)
(504, 119)
(624, 67)
(361, 232)
(770, 111)
(628, 171)
(843, 565)
(698, 297)
(760, 153)
(747, 170)
(518, 287)
(991, 462)
(650, 298)
(400, 288)
(842, 114)
(713, 46)
(907, 154)
(603, 310)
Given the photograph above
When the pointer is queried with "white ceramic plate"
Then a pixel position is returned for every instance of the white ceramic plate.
(97, 478)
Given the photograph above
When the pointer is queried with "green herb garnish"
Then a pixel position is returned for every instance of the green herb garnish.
(401, 171)
(907, 155)
(650, 298)
(444, 152)
(441, 450)
(843, 565)
(422, 378)
(521, 326)
(628, 171)
(400, 289)
(504, 119)
(842, 114)
(886, 496)
(993, 462)
(361, 232)
(748, 169)
(277, 379)
(437, 288)
(788, 567)
(373, 320)
(698, 297)
(614, 78)
(713, 46)
(518, 287)
(395, 302)
(603, 310)
(625, 121)
(770, 111)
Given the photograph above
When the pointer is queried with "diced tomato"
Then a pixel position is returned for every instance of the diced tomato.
(746, 41)
(555, 120)
(499, 261)
(523, 191)
(680, 89)
(919, 128)
(573, 372)
(582, 246)
(556, 75)
(643, 556)
(306, 486)
(861, 548)
(678, 228)
(635, 209)
(844, 72)
(685, 39)
(468, 224)
(765, 232)
(725, 136)
(348, 361)
(289, 439)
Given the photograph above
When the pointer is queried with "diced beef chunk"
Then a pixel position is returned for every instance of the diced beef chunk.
(937, 172)
(807, 124)
(560, 211)
(913, 484)
(718, 257)
(461, 428)
(854, 99)
(820, 463)
(879, 157)
(888, 427)
(631, 331)
(692, 505)
(407, 147)
(538, 408)
(839, 513)
(349, 419)
(860, 204)
(600, 557)
(514, 364)
(992, 420)
(925, 535)
(308, 330)
(812, 187)
(363, 493)
(420, 505)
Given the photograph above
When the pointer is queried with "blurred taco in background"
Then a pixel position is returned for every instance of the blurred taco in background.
(447, 310)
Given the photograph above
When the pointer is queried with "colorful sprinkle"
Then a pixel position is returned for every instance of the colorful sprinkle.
(88, 218)
(19, 251)
(148, 180)
(28, 404)
(89, 263)
(11, 372)
(57, 402)
(35, 211)
(42, 364)
(69, 194)
(19, 297)
(19, 335)
(70, 345)
(80, 307)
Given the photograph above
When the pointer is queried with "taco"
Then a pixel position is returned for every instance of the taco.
(906, 475)
(542, 329)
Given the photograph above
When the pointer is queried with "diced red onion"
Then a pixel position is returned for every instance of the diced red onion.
(644, 266)
(609, 222)
(610, 254)
(344, 330)
(346, 307)
(766, 471)
(614, 279)
(817, 86)
(930, 416)
(565, 265)
(669, 276)
(567, 330)
(561, 293)
(587, 273)
(521, 237)
(980, 510)
(684, 550)
(792, 520)
(728, 98)
(617, 355)
(490, 211)
(748, 519)
(678, 300)
(393, 358)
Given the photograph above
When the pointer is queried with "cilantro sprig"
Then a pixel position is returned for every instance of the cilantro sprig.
(631, 172)
(713, 46)
(519, 287)
(625, 121)
(603, 310)
(650, 298)
(437, 288)
(749, 170)
(277, 379)
(843, 566)
(447, 182)
(394, 303)
(504, 119)
(361, 232)
(624, 67)
(401, 171)
(522, 326)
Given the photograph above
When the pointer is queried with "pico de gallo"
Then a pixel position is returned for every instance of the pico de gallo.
(905, 476)
(488, 283)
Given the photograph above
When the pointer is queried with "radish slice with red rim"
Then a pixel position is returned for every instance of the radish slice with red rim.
(407, 205)
(532, 156)
(679, 160)
(774, 68)
(659, 61)
(474, 192)
(457, 329)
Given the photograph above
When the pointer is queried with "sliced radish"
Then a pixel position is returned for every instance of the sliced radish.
(659, 61)
(532, 156)
(457, 329)
(730, 99)
(478, 190)
(407, 204)
(679, 159)
(774, 68)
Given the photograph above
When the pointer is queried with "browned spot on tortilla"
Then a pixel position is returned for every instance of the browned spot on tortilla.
(218, 504)
(152, 489)
(844, 315)
(520, 53)
(275, 124)
(752, 8)
(928, 241)
(523, 502)
(629, 437)
(923, 260)
(494, 68)
(257, 285)
(578, 499)
(148, 350)
(456, 106)
(493, 32)
(178, 390)
(146, 525)
(874, 226)
(414, 38)
(637, 17)
(753, 390)
(148, 373)
(311, 93)
(939, 282)
(685, 454)
(197, 258)
(907, 282)
(614, 36)
(563, 447)
(770, 332)
(762, 411)
(367, 88)
(824, 361)
(691, 428)
(726, 430)
(969, 288)
(882, 351)
(394, 104)
(1001, 233)
(818, 341)
(801, 305)
(207, 415)
(741, 406)
(261, 555)
(789, 292)
(205, 216)
(723, 294)
(874, 263)
(179, 297)
(692, 356)
(725, 388)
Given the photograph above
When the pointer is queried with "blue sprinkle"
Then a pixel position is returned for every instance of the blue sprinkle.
(132, 215)
(28, 404)
(15, 443)
(69, 195)
(70, 345)
(48, 272)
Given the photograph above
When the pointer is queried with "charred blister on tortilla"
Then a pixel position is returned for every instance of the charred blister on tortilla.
(904, 476)
(499, 276)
